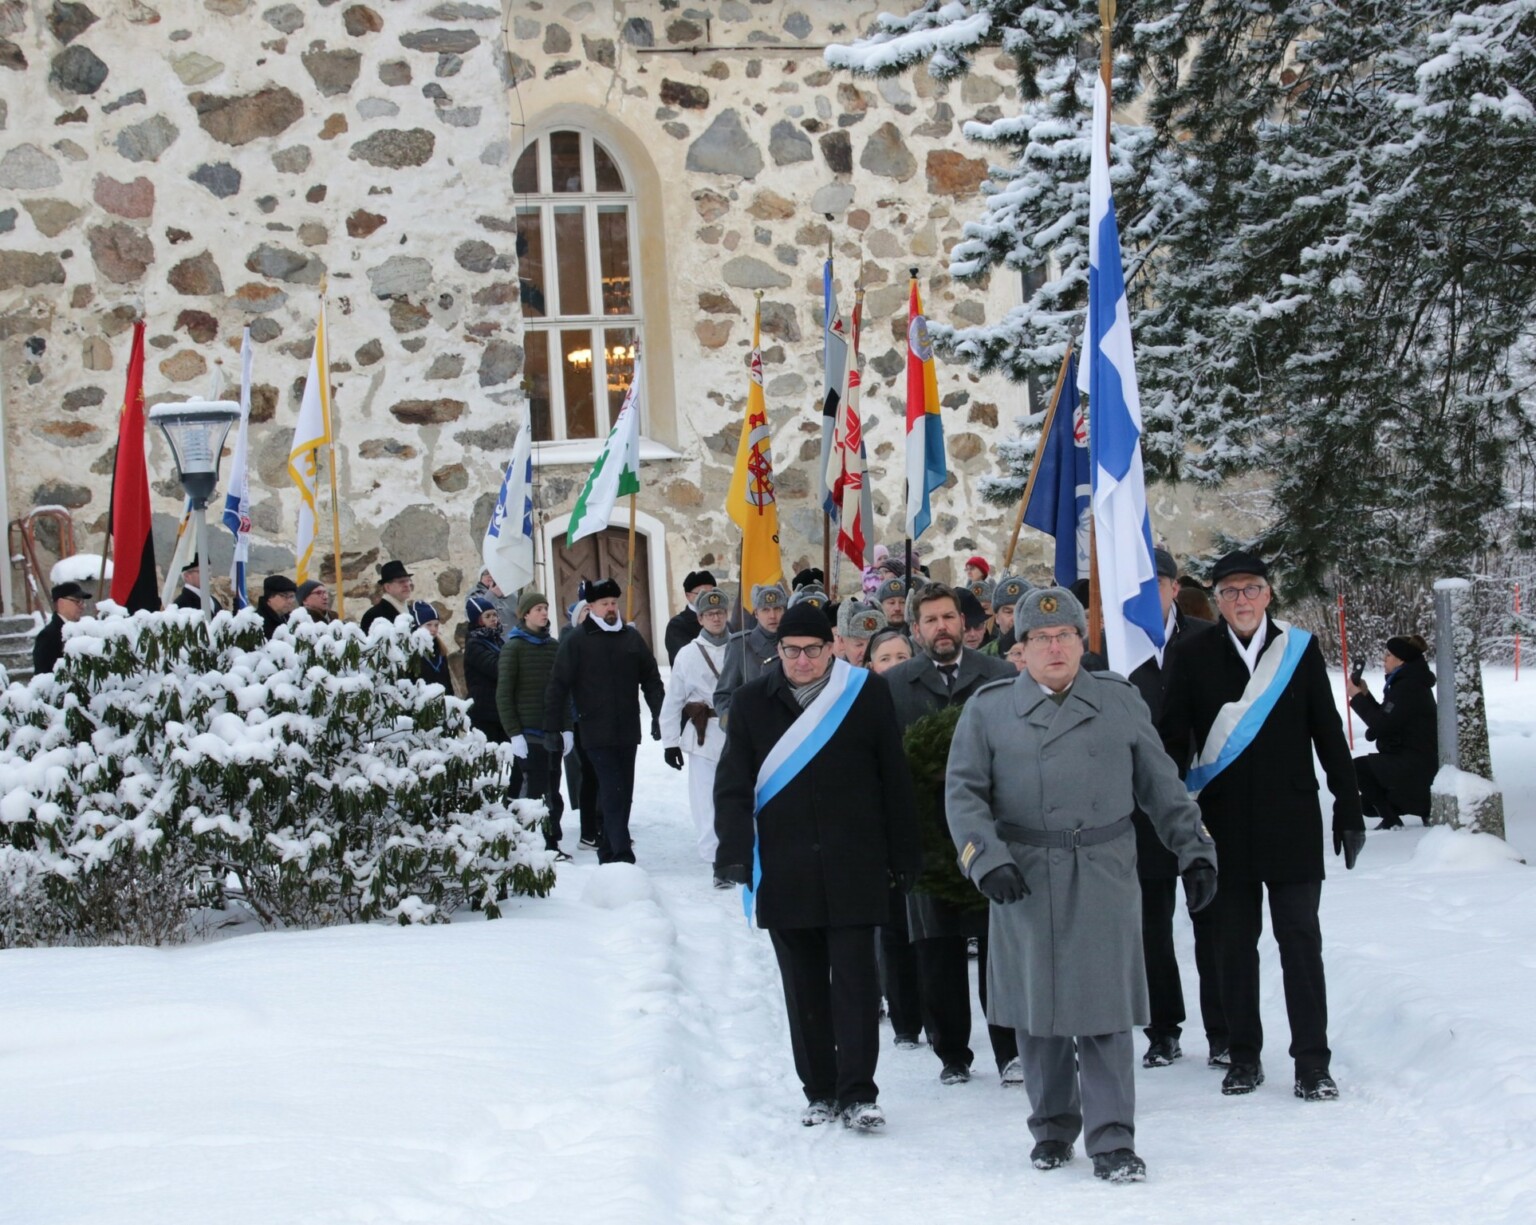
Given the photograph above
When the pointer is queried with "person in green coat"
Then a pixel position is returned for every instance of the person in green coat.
(527, 659)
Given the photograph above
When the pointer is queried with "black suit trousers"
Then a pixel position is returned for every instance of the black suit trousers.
(832, 993)
(614, 766)
(898, 971)
(1239, 920)
(944, 972)
(1165, 990)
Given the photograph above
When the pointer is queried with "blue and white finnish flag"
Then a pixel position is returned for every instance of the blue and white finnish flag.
(237, 499)
(508, 546)
(1127, 575)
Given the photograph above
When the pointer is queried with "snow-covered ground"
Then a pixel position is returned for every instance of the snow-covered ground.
(617, 1053)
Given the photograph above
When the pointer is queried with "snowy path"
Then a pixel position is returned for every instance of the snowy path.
(618, 1053)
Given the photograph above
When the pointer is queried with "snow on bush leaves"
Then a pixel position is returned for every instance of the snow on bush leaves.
(168, 759)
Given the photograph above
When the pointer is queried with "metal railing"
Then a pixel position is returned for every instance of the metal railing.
(22, 544)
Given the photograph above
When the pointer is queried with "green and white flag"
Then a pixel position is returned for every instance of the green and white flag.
(616, 472)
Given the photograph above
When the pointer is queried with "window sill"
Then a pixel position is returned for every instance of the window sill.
(584, 453)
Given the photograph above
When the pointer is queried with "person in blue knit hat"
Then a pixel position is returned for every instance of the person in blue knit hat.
(482, 661)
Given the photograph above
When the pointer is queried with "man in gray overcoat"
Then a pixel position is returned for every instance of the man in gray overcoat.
(1044, 773)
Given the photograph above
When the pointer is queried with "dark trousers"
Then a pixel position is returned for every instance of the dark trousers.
(582, 780)
(832, 993)
(1165, 990)
(537, 777)
(944, 972)
(1238, 916)
(898, 971)
(614, 765)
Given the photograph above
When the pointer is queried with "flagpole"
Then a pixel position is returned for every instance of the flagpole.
(629, 571)
(324, 366)
(1034, 464)
(826, 515)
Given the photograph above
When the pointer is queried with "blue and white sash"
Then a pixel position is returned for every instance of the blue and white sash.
(806, 737)
(1237, 723)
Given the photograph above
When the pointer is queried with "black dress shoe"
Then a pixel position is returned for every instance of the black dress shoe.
(1050, 1154)
(1242, 1078)
(1161, 1053)
(1315, 1085)
(954, 1074)
(1119, 1165)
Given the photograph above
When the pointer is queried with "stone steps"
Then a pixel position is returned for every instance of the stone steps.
(16, 635)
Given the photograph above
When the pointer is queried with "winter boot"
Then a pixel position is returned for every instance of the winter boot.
(1390, 817)
(1162, 1052)
(1242, 1078)
(908, 1042)
(1119, 1165)
(1050, 1154)
(1220, 1057)
(817, 1113)
(1012, 1073)
(1315, 1085)
(863, 1116)
(954, 1074)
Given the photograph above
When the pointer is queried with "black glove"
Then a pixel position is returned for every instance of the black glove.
(736, 873)
(553, 742)
(673, 758)
(1199, 885)
(655, 727)
(1004, 885)
(1348, 842)
(903, 880)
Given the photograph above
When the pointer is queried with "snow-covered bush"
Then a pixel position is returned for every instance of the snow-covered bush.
(170, 763)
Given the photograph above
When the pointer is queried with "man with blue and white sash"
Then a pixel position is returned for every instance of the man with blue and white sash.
(815, 815)
(1254, 694)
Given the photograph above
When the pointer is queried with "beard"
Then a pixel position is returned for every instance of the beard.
(611, 618)
(943, 647)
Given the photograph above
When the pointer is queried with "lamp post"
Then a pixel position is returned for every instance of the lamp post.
(196, 430)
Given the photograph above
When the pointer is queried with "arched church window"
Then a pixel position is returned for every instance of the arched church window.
(577, 265)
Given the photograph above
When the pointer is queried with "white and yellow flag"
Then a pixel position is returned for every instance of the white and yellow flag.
(312, 432)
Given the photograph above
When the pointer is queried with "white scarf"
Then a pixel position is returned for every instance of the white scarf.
(1254, 647)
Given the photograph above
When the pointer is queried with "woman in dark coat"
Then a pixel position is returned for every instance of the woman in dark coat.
(1404, 725)
(482, 660)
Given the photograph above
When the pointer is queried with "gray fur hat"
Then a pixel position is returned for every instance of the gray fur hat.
(769, 595)
(891, 589)
(982, 589)
(1045, 608)
(711, 599)
(855, 620)
(1010, 589)
(812, 595)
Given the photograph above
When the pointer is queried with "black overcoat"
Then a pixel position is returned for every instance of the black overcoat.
(1263, 809)
(831, 838)
(1405, 728)
(48, 646)
(604, 672)
(681, 630)
(1154, 861)
(918, 690)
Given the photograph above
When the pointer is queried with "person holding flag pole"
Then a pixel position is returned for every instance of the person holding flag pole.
(926, 468)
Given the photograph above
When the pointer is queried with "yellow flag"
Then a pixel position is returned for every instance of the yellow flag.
(750, 501)
(312, 432)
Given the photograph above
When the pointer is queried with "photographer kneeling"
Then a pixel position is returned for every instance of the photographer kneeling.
(1396, 779)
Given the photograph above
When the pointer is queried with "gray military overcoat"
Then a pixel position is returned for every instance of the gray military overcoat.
(1065, 960)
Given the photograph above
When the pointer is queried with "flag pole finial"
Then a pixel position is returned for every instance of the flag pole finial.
(913, 271)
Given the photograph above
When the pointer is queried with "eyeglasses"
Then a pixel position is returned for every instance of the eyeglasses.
(1252, 591)
(1053, 640)
(810, 652)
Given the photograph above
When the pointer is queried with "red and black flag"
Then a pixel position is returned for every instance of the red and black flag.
(134, 585)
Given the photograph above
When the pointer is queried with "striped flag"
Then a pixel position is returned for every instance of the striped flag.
(312, 432)
(237, 499)
(833, 380)
(750, 501)
(926, 469)
(616, 473)
(508, 547)
(1127, 575)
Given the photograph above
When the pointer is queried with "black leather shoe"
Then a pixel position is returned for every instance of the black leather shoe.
(1315, 1085)
(1242, 1078)
(954, 1074)
(1119, 1165)
(1161, 1053)
(1050, 1154)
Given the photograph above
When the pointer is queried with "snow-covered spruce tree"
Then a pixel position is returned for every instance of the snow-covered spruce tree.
(166, 755)
(1325, 217)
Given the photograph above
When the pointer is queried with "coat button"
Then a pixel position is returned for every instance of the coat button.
(815, 846)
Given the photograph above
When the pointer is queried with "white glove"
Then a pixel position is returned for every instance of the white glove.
(569, 739)
(519, 746)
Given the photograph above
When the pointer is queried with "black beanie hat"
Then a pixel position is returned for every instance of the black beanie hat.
(805, 620)
(1406, 649)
